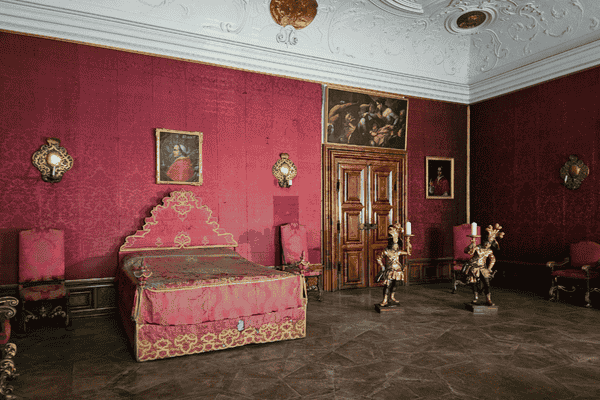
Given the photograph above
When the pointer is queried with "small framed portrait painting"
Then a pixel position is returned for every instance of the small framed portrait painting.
(178, 157)
(439, 178)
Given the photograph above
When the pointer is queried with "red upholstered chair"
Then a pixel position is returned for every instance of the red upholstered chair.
(461, 241)
(581, 268)
(295, 257)
(42, 289)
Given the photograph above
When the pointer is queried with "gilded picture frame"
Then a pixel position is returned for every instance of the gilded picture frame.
(358, 117)
(178, 157)
(439, 178)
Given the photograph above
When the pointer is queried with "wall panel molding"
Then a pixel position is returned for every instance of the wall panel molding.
(88, 297)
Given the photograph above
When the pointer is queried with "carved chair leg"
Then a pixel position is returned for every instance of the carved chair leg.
(454, 283)
(554, 290)
(588, 303)
(320, 284)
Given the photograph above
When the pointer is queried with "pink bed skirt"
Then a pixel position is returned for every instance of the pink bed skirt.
(152, 342)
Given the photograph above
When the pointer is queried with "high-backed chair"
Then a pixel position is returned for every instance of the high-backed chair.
(581, 268)
(42, 289)
(461, 241)
(294, 244)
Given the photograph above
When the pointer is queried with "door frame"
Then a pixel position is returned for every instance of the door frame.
(329, 153)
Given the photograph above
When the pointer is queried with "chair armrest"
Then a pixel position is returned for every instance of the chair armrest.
(7, 307)
(554, 265)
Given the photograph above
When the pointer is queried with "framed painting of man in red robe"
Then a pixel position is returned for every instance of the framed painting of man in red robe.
(178, 157)
(365, 118)
(439, 175)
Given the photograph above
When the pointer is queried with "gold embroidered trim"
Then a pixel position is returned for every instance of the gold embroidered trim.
(221, 282)
(228, 338)
(182, 202)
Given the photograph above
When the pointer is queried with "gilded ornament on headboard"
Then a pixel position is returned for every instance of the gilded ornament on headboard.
(573, 172)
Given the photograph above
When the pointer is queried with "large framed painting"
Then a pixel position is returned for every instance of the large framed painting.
(178, 157)
(439, 173)
(365, 118)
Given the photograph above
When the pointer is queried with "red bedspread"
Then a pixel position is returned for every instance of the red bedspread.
(192, 286)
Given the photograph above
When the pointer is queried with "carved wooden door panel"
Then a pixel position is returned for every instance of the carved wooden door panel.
(352, 206)
(363, 194)
(385, 209)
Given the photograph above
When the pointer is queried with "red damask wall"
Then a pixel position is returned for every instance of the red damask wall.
(519, 143)
(435, 129)
(104, 106)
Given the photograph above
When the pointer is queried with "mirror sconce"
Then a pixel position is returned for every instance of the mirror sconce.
(52, 161)
(573, 172)
(284, 170)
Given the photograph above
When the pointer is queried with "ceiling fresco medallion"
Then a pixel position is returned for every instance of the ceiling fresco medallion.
(296, 13)
(573, 172)
(471, 19)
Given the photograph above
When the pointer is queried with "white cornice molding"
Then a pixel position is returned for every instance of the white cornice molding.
(121, 34)
(218, 49)
(567, 62)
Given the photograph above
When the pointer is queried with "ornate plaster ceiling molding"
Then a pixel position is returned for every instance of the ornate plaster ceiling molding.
(292, 15)
(510, 78)
(360, 43)
(82, 27)
(404, 5)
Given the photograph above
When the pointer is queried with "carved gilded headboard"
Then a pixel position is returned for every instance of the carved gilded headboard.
(182, 221)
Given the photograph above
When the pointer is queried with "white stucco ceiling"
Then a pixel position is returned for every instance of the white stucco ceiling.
(409, 47)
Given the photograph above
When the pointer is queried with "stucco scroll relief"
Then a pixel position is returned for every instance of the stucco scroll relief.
(360, 33)
(164, 3)
(292, 15)
(522, 28)
(238, 15)
(404, 5)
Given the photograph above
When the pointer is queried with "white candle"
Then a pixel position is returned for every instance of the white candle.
(473, 228)
(408, 228)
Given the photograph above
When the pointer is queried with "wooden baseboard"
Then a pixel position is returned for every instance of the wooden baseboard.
(92, 297)
(87, 297)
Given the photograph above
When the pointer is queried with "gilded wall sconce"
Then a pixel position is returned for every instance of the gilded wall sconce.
(573, 172)
(284, 170)
(52, 160)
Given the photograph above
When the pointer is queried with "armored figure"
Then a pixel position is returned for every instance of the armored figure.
(478, 270)
(392, 270)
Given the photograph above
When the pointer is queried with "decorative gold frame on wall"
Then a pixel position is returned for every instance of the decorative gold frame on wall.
(41, 159)
(431, 167)
(573, 172)
(345, 107)
(178, 157)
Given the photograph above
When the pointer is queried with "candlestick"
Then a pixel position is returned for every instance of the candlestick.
(474, 228)
(408, 229)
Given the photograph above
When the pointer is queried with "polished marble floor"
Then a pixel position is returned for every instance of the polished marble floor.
(432, 348)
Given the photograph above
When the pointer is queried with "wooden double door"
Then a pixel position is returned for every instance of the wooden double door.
(364, 191)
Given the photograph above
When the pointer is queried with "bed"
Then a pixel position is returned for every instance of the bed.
(183, 289)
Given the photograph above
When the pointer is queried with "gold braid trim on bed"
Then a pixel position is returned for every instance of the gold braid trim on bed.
(228, 338)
